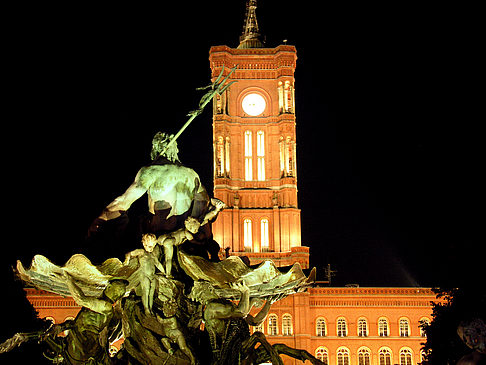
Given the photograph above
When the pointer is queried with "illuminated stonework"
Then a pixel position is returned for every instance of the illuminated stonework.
(255, 155)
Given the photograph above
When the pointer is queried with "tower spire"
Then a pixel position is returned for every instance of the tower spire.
(250, 37)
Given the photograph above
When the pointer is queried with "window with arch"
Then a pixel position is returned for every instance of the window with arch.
(287, 156)
(261, 156)
(68, 318)
(272, 328)
(343, 356)
(248, 156)
(265, 237)
(383, 328)
(247, 235)
(405, 356)
(364, 356)
(322, 354)
(280, 97)
(341, 327)
(385, 356)
(321, 329)
(287, 325)
(362, 327)
(404, 327)
(423, 323)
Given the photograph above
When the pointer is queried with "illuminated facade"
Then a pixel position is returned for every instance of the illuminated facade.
(255, 171)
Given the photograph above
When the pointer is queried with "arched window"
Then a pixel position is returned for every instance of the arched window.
(287, 325)
(321, 329)
(364, 356)
(280, 97)
(272, 329)
(362, 327)
(383, 330)
(385, 356)
(248, 156)
(288, 97)
(247, 235)
(405, 356)
(227, 155)
(287, 156)
(220, 156)
(343, 356)
(322, 355)
(342, 327)
(260, 156)
(423, 323)
(264, 235)
(68, 318)
(404, 327)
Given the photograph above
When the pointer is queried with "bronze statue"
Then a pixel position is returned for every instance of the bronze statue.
(228, 328)
(158, 297)
(87, 341)
(473, 334)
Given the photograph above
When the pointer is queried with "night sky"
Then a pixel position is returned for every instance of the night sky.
(388, 140)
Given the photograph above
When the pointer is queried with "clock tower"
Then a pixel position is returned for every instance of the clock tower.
(255, 171)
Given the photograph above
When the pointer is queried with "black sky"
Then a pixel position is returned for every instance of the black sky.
(389, 150)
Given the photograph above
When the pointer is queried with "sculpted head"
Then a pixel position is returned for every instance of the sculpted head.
(192, 225)
(159, 144)
(473, 334)
(149, 240)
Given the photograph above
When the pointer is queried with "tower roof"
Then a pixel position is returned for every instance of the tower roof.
(250, 37)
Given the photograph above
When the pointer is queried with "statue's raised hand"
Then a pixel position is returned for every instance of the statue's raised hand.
(240, 286)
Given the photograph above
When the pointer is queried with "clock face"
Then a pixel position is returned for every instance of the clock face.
(253, 104)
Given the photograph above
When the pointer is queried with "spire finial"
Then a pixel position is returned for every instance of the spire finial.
(250, 38)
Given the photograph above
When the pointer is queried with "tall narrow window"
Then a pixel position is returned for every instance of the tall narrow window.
(280, 97)
(272, 325)
(404, 327)
(322, 355)
(261, 155)
(321, 327)
(264, 235)
(362, 327)
(364, 356)
(287, 325)
(343, 356)
(227, 156)
(383, 327)
(247, 239)
(405, 356)
(424, 323)
(290, 157)
(248, 157)
(220, 156)
(385, 356)
(342, 328)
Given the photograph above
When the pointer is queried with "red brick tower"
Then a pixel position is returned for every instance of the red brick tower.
(255, 170)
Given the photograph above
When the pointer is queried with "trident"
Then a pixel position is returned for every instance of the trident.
(216, 88)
